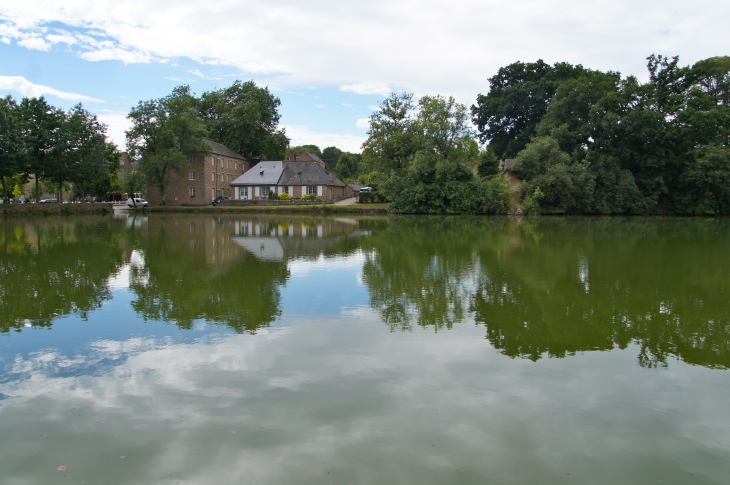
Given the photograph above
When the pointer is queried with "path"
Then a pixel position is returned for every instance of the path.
(350, 201)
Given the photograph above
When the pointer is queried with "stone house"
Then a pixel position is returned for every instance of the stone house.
(206, 178)
(293, 177)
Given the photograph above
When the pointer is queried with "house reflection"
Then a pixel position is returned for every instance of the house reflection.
(227, 270)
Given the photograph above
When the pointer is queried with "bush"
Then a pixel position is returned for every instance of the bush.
(497, 193)
(531, 202)
(68, 210)
(434, 185)
(309, 197)
(370, 197)
(272, 195)
(285, 196)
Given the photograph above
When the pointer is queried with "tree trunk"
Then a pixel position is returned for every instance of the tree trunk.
(37, 194)
(6, 199)
(60, 191)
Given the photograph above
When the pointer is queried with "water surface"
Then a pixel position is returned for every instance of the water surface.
(200, 349)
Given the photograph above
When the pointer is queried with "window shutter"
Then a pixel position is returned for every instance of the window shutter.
(304, 190)
(319, 191)
(256, 191)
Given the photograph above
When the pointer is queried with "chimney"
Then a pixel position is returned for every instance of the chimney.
(334, 172)
(291, 155)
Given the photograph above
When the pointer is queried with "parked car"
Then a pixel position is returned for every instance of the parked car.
(48, 201)
(219, 199)
(135, 202)
(367, 189)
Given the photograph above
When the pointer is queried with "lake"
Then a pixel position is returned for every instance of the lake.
(200, 349)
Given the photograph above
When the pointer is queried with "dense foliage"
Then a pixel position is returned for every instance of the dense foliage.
(245, 118)
(594, 142)
(422, 157)
(58, 148)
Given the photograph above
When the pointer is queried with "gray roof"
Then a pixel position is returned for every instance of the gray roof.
(308, 173)
(263, 173)
(356, 187)
(221, 149)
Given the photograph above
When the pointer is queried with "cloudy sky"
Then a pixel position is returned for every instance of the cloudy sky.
(330, 62)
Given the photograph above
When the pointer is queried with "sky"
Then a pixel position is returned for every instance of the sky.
(329, 61)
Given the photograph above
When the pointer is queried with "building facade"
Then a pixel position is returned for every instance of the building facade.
(205, 179)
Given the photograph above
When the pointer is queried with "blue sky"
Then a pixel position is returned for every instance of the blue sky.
(329, 61)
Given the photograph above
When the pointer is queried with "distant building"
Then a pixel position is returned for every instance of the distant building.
(205, 179)
(296, 177)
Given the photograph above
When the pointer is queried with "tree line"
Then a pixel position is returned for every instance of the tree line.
(585, 141)
(60, 149)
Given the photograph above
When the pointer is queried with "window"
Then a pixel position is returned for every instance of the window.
(212, 193)
(191, 175)
(192, 191)
(212, 177)
(244, 192)
(286, 189)
(312, 189)
(212, 161)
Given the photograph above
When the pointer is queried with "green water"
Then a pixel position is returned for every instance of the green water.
(260, 350)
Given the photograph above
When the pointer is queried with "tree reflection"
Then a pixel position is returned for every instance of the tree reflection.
(555, 287)
(54, 267)
(226, 270)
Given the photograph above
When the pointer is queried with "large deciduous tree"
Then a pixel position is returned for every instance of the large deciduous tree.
(245, 118)
(12, 146)
(519, 95)
(42, 130)
(165, 133)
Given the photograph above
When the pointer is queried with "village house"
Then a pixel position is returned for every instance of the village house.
(304, 175)
(207, 178)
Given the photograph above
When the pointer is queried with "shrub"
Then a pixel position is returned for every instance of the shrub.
(68, 210)
(285, 196)
(272, 195)
(370, 197)
(497, 193)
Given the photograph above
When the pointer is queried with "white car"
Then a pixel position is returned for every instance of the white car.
(135, 202)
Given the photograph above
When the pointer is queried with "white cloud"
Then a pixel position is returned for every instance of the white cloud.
(367, 88)
(363, 123)
(301, 135)
(118, 54)
(29, 89)
(35, 43)
(197, 73)
(117, 124)
(371, 47)
(348, 105)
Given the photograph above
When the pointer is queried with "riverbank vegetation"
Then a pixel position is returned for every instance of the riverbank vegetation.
(59, 149)
(596, 142)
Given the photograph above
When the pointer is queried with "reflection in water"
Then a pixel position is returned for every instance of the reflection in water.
(331, 396)
(51, 267)
(559, 286)
(544, 287)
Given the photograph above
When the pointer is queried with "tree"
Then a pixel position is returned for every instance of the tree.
(394, 136)
(444, 124)
(346, 166)
(12, 146)
(488, 163)
(42, 124)
(245, 118)
(81, 152)
(165, 134)
(519, 95)
(330, 156)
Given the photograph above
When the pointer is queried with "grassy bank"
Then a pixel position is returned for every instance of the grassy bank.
(28, 210)
(277, 209)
